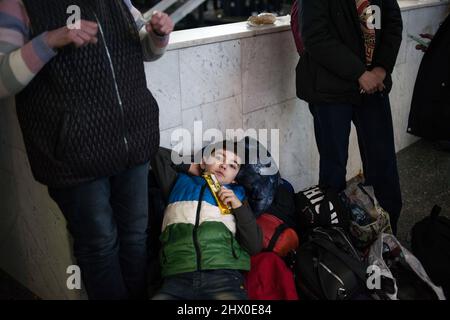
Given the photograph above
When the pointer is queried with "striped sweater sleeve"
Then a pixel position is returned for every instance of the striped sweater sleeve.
(153, 45)
(20, 59)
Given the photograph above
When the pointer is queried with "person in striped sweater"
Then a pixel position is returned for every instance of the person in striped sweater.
(21, 58)
(90, 125)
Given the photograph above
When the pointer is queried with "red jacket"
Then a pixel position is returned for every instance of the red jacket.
(270, 279)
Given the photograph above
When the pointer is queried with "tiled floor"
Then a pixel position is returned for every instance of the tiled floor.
(425, 181)
(12, 290)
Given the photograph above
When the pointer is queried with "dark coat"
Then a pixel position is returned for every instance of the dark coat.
(430, 107)
(334, 57)
(88, 113)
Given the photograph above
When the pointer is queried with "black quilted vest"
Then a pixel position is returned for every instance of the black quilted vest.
(88, 113)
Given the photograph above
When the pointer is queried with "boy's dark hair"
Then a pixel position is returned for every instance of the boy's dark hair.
(237, 147)
(228, 145)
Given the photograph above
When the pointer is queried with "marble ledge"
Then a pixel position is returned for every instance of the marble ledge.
(225, 32)
(233, 31)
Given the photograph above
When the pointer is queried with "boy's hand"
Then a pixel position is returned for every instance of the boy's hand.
(161, 24)
(228, 197)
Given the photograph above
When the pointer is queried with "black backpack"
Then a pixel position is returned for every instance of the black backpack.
(283, 205)
(321, 207)
(329, 268)
(430, 243)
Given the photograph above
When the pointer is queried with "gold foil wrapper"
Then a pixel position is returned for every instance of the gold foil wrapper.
(215, 186)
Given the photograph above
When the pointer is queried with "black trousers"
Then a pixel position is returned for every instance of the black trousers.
(108, 220)
(373, 122)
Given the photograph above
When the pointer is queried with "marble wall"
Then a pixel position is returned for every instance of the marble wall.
(250, 83)
(241, 83)
(34, 244)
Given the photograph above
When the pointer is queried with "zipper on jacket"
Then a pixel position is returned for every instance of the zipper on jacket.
(116, 87)
(232, 246)
(194, 231)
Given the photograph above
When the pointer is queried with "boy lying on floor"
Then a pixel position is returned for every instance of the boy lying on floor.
(202, 250)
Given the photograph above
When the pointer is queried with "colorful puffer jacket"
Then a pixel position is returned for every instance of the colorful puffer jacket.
(195, 235)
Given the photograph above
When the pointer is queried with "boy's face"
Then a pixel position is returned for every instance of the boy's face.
(224, 165)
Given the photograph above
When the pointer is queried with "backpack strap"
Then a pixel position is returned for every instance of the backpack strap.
(278, 231)
(324, 210)
(325, 219)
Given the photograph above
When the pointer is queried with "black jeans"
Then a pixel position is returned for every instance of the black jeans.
(108, 221)
(222, 284)
(373, 122)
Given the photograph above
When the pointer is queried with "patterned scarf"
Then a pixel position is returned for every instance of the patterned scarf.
(369, 34)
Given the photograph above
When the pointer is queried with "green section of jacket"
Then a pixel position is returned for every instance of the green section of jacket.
(217, 249)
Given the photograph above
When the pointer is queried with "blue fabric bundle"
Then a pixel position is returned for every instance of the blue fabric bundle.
(258, 176)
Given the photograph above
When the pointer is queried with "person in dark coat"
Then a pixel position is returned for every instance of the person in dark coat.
(90, 125)
(345, 75)
(430, 107)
